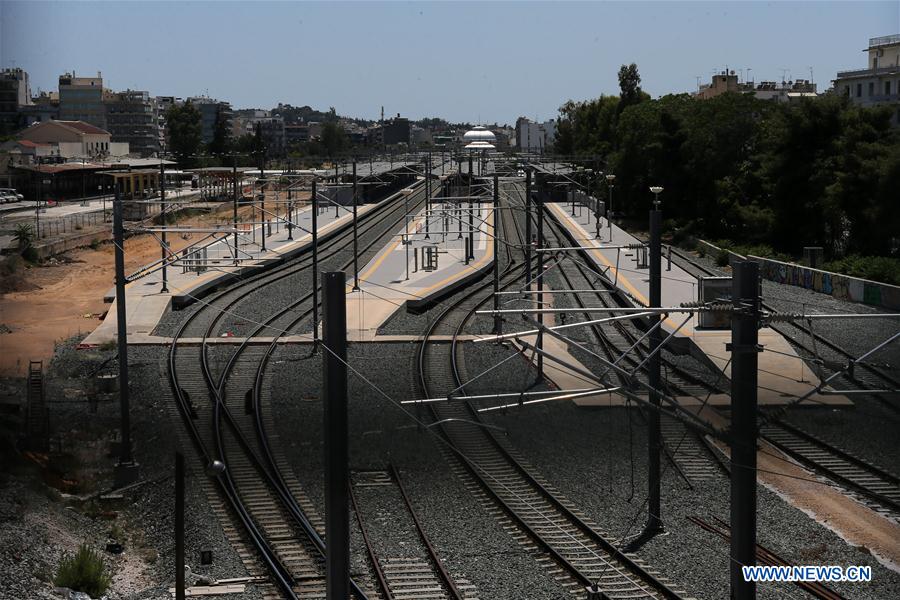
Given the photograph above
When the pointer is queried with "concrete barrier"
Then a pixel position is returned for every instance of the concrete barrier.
(837, 285)
(843, 287)
(71, 242)
(715, 250)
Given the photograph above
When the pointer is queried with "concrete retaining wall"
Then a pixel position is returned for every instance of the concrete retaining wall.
(837, 285)
(71, 242)
(843, 287)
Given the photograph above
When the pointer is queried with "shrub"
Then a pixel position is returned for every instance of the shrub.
(23, 235)
(95, 244)
(85, 571)
(876, 268)
(722, 257)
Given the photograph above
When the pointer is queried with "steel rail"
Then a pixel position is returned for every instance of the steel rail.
(283, 578)
(627, 563)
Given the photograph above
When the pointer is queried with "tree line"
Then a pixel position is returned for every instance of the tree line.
(815, 172)
(185, 141)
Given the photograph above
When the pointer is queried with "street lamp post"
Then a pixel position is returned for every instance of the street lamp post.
(163, 242)
(405, 239)
(654, 522)
(611, 181)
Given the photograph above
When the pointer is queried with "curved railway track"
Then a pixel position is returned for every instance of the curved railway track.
(271, 510)
(866, 482)
(570, 541)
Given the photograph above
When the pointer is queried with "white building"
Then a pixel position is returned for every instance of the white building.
(879, 83)
(535, 137)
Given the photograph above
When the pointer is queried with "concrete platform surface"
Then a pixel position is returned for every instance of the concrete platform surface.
(783, 375)
(145, 303)
(398, 274)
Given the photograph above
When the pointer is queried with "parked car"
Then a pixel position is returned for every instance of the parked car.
(10, 195)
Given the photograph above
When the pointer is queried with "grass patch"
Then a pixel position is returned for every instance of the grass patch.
(85, 571)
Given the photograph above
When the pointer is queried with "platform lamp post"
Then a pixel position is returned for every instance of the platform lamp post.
(355, 231)
(611, 182)
(405, 239)
(163, 242)
(654, 523)
(290, 213)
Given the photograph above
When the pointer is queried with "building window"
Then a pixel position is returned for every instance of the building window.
(887, 88)
(859, 90)
(871, 88)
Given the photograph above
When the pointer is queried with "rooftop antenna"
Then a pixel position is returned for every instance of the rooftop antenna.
(697, 77)
(783, 72)
(811, 80)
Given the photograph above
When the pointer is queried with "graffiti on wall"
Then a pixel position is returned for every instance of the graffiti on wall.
(834, 284)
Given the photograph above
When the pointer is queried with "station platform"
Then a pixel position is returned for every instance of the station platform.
(146, 304)
(401, 275)
(783, 375)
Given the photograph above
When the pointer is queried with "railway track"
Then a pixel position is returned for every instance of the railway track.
(688, 452)
(867, 483)
(574, 548)
(415, 571)
(274, 513)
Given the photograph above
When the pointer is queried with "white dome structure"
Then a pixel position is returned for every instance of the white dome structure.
(479, 134)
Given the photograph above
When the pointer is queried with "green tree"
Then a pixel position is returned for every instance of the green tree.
(183, 124)
(629, 86)
(221, 142)
(334, 139)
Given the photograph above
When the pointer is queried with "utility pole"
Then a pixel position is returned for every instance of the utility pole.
(165, 244)
(337, 481)
(498, 320)
(654, 523)
(126, 471)
(540, 282)
(744, 363)
(427, 194)
(235, 215)
(355, 239)
(315, 266)
(262, 205)
(528, 225)
(179, 526)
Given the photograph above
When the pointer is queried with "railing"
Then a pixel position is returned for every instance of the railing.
(56, 226)
(858, 72)
(884, 40)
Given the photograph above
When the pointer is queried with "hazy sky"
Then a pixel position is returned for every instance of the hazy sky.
(462, 61)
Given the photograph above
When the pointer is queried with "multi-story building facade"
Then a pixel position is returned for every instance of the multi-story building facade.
(295, 134)
(81, 99)
(879, 83)
(163, 104)
(132, 117)
(44, 107)
(74, 139)
(535, 137)
(786, 91)
(15, 93)
(211, 109)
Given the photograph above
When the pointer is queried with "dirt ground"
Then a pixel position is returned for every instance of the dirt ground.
(64, 296)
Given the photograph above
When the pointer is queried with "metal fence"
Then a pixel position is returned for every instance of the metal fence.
(71, 224)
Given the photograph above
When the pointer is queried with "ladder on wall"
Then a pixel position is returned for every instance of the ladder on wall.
(37, 422)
